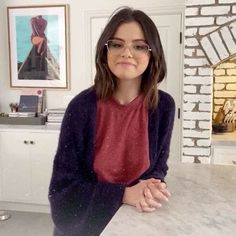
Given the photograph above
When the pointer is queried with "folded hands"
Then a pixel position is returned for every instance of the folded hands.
(147, 195)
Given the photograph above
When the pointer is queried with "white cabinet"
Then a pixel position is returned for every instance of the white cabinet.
(225, 155)
(26, 160)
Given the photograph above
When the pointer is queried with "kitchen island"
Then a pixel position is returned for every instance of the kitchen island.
(203, 202)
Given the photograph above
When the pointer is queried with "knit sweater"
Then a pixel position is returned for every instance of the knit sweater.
(80, 204)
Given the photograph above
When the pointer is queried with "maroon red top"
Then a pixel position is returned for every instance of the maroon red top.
(121, 154)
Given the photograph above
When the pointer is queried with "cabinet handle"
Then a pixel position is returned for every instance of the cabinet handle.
(32, 142)
(26, 142)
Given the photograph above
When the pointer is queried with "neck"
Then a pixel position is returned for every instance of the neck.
(127, 91)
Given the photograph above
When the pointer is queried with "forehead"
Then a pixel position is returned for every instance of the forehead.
(129, 31)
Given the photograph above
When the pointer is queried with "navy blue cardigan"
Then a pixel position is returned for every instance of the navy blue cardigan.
(80, 205)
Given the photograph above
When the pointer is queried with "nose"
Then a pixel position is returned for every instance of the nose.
(127, 52)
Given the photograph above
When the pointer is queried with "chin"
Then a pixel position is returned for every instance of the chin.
(127, 76)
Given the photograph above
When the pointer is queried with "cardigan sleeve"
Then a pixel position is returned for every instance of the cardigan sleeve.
(79, 204)
(163, 118)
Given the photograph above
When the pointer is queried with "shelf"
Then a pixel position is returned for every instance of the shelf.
(224, 139)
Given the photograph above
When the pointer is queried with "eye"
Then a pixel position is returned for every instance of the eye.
(140, 47)
(115, 44)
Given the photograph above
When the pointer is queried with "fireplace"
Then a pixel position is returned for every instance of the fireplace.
(224, 93)
(210, 46)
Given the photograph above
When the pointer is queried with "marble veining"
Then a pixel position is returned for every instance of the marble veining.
(203, 202)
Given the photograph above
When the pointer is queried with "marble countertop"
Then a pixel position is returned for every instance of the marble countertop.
(203, 202)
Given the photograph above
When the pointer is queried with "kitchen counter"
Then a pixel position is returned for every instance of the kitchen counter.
(203, 202)
(228, 139)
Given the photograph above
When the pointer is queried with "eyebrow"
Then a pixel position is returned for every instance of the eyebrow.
(135, 40)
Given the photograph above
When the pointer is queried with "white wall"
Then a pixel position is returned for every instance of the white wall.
(80, 74)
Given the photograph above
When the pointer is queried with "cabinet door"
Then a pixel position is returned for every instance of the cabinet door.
(224, 155)
(15, 166)
(43, 149)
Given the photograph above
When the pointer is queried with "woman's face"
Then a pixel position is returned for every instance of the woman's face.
(128, 54)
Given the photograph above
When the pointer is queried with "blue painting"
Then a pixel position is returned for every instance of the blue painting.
(37, 39)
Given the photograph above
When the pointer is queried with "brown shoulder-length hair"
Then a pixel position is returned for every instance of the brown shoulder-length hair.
(105, 80)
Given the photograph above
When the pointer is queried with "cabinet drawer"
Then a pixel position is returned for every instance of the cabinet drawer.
(224, 155)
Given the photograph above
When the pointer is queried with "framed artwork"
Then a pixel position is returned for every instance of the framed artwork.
(38, 46)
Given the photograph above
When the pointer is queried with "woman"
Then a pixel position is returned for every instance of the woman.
(115, 136)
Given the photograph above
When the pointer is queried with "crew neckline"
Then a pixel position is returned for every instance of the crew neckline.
(137, 100)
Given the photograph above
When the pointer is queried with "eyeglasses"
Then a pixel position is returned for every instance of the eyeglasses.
(138, 48)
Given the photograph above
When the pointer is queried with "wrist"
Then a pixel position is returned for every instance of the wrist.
(126, 195)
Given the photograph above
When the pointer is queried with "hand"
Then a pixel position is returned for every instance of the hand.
(134, 196)
(141, 197)
(155, 191)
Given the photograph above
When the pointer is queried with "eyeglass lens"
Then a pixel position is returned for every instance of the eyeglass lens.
(116, 47)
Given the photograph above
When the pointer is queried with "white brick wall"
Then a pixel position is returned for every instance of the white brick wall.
(189, 52)
(206, 89)
(196, 134)
(197, 115)
(190, 89)
(188, 159)
(190, 32)
(206, 30)
(189, 124)
(204, 142)
(228, 39)
(197, 98)
(226, 1)
(204, 124)
(190, 71)
(193, 11)
(200, 53)
(191, 42)
(205, 71)
(188, 106)
(219, 45)
(218, 10)
(234, 10)
(196, 151)
(210, 50)
(188, 142)
(199, 2)
(196, 21)
(205, 107)
(224, 19)
(196, 62)
(212, 23)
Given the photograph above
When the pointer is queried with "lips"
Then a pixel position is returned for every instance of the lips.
(125, 63)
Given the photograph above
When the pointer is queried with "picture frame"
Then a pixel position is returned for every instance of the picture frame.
(38, 46)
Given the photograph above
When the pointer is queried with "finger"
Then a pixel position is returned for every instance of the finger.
(145, 207)
(166, 192)
(150, 199)
(156, 193)
(162, 188)
(152, 180)
(139, 207)
(147, 193)
(148, 209)
(163, 185)
(153, 203)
